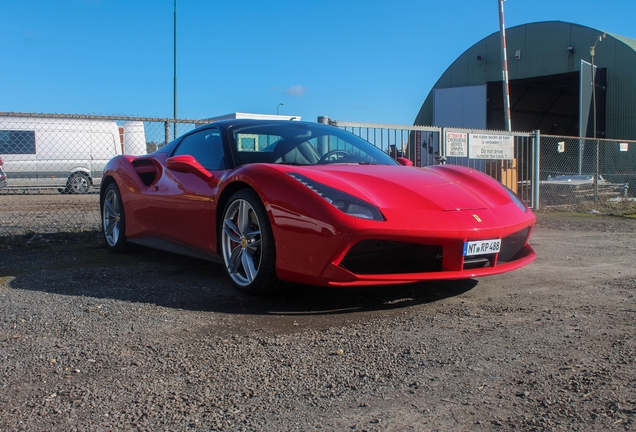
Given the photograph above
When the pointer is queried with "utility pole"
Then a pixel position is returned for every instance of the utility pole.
(504, 67)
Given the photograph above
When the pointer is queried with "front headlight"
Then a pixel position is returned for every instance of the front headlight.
(516, 199)
(342, 201)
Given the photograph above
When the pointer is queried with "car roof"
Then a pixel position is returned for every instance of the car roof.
(222, 124)
(225, 124)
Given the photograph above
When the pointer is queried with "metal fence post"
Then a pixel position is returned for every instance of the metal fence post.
(166, 126)
(323, 143)
(537, 170)
(441, 158)
(598, 171)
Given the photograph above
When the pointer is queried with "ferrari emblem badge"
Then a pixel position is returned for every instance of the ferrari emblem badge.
(477, 218)
(244, 242)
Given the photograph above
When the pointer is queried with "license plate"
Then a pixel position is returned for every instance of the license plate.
(482, 247)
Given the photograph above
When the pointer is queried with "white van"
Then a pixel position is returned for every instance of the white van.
(64, 153)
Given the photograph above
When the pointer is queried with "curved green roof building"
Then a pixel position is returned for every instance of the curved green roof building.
(551, 78)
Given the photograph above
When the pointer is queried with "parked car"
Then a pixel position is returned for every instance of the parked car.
(3, 176)
(309, 203)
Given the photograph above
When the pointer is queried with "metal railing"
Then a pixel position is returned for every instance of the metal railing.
(429, 145)
(398, 140)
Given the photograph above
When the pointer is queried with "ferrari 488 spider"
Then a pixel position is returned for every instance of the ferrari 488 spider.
(277, 201)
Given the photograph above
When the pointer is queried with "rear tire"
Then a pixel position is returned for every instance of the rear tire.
(113, 219)
(78, 183)
(247, 245)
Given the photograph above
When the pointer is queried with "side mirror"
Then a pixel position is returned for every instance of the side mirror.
(188, 164)
(404, 161)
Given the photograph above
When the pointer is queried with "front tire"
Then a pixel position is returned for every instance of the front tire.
(247, 245)
(113, 219)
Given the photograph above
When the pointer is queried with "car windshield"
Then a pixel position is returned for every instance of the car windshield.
(296, 143)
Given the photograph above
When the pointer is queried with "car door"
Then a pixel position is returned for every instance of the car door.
(182, 207)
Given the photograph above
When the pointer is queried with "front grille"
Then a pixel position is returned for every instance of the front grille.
(391, 257)
(512, 245)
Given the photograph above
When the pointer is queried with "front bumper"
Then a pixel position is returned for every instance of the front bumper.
(337, 276)
(408, 247)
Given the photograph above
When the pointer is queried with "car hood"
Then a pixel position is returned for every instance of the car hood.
(394, 186)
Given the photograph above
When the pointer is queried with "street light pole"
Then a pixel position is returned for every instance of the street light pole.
(592, 54)
(278, 106)
(175, 71)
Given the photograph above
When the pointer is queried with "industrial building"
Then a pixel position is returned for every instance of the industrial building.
(551, 72)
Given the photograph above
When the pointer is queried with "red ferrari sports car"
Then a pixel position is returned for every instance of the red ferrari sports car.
(278, 201)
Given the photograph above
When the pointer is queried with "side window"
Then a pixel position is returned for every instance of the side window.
(17, 142)
(207, 148)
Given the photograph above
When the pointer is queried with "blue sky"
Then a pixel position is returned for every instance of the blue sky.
(354, 60)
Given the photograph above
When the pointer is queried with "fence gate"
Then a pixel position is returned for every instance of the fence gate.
(509, 157)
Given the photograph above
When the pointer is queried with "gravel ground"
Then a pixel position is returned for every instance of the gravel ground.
(47, 211)
(153, 341)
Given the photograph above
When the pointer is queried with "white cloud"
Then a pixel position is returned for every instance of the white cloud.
(296, 90)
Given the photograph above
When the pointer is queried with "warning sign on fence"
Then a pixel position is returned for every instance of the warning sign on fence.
(457, 144)
(484, 146)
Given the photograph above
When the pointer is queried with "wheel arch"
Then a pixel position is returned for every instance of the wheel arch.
(106, 181)
(223, 199)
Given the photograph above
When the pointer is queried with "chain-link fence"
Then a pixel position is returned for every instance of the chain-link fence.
(592, 172)
(52, 165)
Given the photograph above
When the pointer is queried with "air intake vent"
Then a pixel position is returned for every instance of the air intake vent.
(389, 257)
(512, 245)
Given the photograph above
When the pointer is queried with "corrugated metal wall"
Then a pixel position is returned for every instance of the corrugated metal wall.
(544, 51)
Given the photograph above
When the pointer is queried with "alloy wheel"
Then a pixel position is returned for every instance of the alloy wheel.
(241, 242)
(111, 218)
